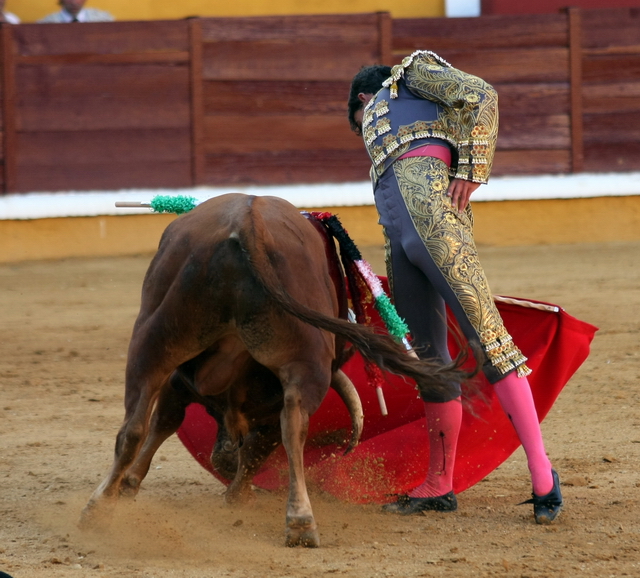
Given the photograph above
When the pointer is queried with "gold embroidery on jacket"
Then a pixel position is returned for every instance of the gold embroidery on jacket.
(383, 126)
(381, 108)
(448, 237)
(370, 134)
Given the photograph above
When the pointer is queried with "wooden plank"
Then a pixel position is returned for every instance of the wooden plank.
(611, 27)
(249, 133)
(533, 98)
(116, 175)
(612, 50)
(197, 102)
(136, 80)
(612, 128)
(611, 68)
(547, 6)
(9, 144)
(276, 97)
(614, 157)
(102, 38)
(409, 34)
(287, 167)
(534, 131)
(100, 112)
(70, 149)
(305, 59)
(575, 64)
(611, 97)
(93, 98)
(531, 162)
(535, 65)
(106, 59)
(345, 28)
(294, 48)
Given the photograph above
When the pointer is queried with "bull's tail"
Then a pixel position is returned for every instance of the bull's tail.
(431, 376)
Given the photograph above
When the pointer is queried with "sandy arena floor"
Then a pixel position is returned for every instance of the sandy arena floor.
(65, 329)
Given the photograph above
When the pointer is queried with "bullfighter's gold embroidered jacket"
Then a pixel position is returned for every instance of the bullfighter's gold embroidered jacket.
(426, 99)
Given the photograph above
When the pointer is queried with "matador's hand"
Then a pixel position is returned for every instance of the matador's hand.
(460, 192)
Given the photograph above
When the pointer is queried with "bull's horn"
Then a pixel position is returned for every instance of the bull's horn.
(349, 395)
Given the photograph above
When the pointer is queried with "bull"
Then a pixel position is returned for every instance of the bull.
(240, 312)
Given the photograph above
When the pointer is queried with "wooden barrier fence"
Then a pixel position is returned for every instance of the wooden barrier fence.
(221, 101)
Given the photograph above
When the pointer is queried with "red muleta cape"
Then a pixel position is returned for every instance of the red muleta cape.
(394, 450)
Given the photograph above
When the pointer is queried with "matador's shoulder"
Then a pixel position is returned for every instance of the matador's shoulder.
(397, 72)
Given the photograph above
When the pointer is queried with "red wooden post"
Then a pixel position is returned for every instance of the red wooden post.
(8, 108)
(197, 102)
(575, 64)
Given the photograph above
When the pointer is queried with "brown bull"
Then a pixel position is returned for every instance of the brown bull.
(240, 313)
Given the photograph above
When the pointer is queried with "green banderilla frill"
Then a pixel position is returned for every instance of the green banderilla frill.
(394, 323)
(178, 204)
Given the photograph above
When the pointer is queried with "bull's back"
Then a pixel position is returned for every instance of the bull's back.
(225, 241)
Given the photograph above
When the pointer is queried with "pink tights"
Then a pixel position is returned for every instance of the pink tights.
(514, 395)
(443, 426)
(445, 419)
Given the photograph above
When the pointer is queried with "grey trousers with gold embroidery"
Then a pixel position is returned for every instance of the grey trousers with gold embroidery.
(432, 260)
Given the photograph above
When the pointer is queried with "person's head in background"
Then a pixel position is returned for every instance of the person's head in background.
(73, 7)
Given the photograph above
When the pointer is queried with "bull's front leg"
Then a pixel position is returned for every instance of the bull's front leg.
(224, 456)
(301, 528)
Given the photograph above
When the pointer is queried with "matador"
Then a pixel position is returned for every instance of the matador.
(431, 132)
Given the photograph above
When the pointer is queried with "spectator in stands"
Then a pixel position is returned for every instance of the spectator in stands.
(7, 16)
(74, 11)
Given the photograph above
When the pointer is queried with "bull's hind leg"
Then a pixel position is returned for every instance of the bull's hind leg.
(130, 438)
(298, 381)
(128, 441)
(144, 380)
(166, 419)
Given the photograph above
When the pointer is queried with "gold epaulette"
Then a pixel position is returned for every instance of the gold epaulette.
(397, 72)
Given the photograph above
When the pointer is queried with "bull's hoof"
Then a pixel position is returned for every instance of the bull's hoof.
(302, 532)
(224, 469)
(225, 463)
(97, 514)
(241, 497)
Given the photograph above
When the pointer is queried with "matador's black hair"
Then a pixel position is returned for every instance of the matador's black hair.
(368, 81)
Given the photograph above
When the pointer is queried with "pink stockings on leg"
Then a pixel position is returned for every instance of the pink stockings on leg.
(516, 400)
(443, 425)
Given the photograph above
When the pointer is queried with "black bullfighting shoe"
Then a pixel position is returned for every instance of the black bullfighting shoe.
(546, 508)
(405, 505)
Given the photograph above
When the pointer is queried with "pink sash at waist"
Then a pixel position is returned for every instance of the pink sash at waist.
(431, 150)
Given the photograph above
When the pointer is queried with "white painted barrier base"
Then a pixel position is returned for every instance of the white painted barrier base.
(98, 203)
